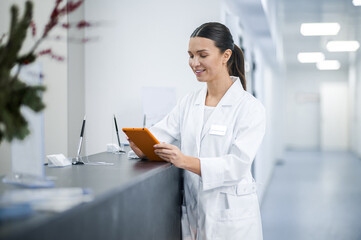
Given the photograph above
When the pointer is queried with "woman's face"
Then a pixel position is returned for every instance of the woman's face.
(206, 60)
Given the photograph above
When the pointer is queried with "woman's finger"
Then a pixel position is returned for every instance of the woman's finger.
(163, 146)
(136, 150)
(164, 157)
(163, 151)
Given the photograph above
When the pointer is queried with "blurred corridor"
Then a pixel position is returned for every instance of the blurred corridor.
(314, 195)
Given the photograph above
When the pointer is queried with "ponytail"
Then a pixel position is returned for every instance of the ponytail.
(235, 65)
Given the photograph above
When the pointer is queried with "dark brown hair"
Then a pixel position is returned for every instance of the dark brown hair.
(223, 40)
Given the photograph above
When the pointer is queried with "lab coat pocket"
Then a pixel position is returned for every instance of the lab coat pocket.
(237, 207)
(240, 217)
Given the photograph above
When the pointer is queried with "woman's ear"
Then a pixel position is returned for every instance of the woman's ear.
(227, 55)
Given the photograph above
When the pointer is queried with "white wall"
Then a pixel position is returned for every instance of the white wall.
(269, 85)
(142, 43)
(303, 105)
(355, 103)
(76, 83)
(55, 79)
(5, 158)
(355, 93)
(357, 148)
(358, 106)
(353, 97)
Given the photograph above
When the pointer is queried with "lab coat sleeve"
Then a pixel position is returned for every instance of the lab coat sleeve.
(168, 129)
(230, 169)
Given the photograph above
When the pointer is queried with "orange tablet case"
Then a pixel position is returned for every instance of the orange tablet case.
(144, 140)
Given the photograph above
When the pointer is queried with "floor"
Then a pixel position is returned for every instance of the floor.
(314, 195)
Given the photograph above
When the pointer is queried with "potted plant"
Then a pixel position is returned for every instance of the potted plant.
(13, 92)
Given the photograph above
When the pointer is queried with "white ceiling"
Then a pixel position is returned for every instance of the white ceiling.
(282, 19)
(291, 13)
(253, 20)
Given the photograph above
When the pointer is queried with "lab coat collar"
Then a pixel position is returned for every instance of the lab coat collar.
(232, 95)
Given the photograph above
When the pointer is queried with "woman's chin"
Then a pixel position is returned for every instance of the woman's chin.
(201, 79)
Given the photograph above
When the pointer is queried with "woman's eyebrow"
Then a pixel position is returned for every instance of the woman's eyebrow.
(198, 51)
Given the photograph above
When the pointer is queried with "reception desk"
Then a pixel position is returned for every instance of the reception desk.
(133, 199)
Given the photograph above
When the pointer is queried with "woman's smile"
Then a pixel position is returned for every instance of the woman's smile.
(199, 72)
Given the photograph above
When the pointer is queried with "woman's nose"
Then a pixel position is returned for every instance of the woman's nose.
(194, 62)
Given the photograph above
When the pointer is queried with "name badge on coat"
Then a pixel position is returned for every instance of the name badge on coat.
(219, 130)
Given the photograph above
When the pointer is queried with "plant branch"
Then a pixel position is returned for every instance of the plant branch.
(17, 73)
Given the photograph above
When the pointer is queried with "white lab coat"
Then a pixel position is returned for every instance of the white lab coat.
(222, 203)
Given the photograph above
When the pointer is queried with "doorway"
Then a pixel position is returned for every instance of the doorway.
(334, 116)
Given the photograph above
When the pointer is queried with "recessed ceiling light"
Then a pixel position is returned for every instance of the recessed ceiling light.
(319, 29)
(342, 46)
(328, 65)
(356, 2)
(310, 57)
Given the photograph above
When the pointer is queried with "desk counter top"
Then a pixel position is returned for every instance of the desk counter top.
(128, 194)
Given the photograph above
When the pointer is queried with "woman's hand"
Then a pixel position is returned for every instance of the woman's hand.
(170, 153)
(136, 150)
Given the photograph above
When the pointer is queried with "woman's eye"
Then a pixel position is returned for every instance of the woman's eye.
(190, 56)
(204, 56)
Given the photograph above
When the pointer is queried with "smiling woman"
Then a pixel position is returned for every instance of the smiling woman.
(205, 59)
(215, 40)
(220, 128)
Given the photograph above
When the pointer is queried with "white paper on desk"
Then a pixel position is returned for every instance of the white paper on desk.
(28, 154)
(52, 199)
(132, 155)
(157, 102)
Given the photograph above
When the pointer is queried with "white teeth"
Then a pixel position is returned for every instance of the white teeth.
(200, 71)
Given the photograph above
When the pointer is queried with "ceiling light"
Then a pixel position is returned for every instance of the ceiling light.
(342, 46)
(319, 29)
(310, 57)
(328, 65)
(356, 2)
